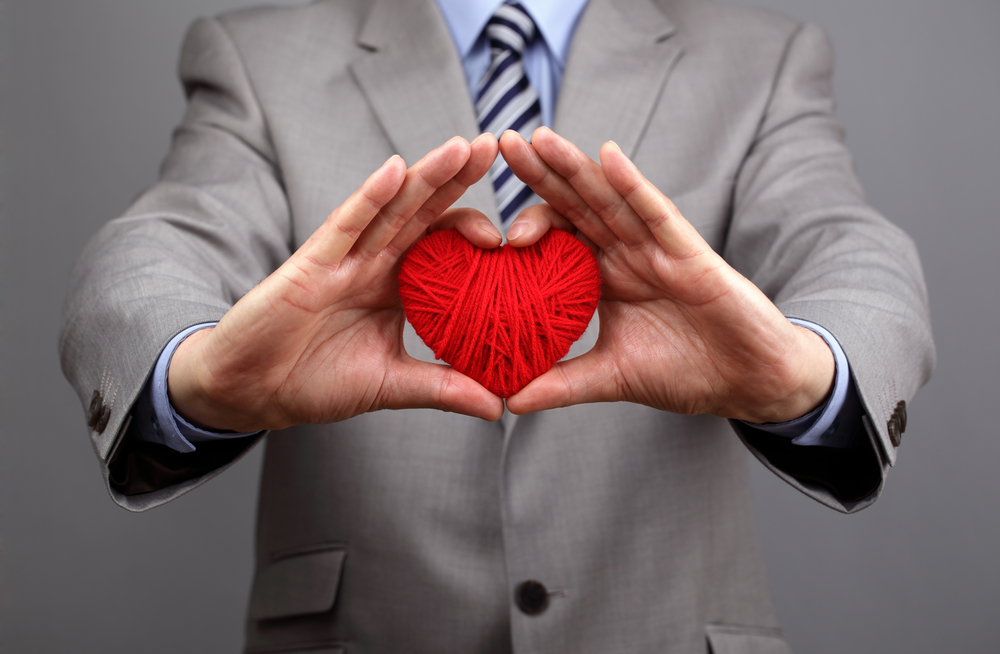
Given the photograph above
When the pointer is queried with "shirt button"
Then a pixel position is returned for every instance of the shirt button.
(531, 597)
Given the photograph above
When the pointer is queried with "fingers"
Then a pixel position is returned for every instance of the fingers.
(413, 384)
(672, 231)
(470, 223)
(329, 244)
(588, 179)
(533, 222)
(590, 377)
(483, 151)
(552, 187)
(530, 225)
(663, 219)
(422, 180)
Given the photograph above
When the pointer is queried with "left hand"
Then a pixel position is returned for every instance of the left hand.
(321, 338)
(680, 329)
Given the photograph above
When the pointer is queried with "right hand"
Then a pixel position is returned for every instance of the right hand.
(681, 330)
(320, 340)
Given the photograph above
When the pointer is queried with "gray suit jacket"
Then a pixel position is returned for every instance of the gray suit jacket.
(409, 531)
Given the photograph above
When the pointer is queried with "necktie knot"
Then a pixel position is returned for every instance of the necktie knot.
(510, 29)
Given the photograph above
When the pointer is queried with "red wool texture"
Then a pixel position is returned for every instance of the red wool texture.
(501, 316)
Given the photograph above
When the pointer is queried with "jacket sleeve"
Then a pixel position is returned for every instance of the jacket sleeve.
(804, 234)
(215, 223)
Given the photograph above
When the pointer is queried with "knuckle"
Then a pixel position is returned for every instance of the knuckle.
(350, 230)
(444, 390)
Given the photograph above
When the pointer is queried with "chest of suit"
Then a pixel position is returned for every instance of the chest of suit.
(411, 530)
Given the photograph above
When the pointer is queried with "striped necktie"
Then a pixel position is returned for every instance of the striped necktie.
(506, 100)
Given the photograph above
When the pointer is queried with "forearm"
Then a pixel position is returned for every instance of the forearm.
(804, 234)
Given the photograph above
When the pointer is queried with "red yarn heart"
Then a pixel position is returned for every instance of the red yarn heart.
(501, 316)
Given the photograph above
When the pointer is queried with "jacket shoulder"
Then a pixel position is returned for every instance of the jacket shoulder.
(710, 23)
(295, 30)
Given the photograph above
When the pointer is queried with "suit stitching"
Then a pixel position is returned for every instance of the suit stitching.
(114, 396)
(884, 402)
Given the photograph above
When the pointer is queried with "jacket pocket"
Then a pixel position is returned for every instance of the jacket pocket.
(297, 582)
(735, 639)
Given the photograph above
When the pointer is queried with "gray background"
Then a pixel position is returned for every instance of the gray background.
(88, 101)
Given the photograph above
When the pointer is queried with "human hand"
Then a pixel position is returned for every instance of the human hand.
(320, 339)
(680, 330)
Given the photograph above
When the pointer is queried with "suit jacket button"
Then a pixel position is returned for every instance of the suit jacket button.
(102, 423)
(531, 597)
(901, 412)
(94, 412)
(893, 427)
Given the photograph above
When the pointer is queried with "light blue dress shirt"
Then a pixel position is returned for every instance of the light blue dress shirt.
(544, 61)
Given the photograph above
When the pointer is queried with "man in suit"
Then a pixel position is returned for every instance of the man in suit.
(613, 515)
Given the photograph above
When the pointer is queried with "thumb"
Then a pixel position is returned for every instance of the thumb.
(413, 384)
(587, 378)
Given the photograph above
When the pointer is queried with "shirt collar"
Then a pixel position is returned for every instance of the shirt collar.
(555, 20)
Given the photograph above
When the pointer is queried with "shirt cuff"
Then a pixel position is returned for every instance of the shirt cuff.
(819, 426)
(158, 421)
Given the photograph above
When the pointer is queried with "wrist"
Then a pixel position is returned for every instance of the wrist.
(804, 380)
(188, 387)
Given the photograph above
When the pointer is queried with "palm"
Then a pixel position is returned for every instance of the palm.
(343, 332)
(651, 322)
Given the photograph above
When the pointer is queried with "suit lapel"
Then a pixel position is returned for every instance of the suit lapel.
(618, 63)
(413, 79)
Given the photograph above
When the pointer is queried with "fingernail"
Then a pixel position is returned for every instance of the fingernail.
(616, 145)
(516, 231)
(395, 156)
(489, 228)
